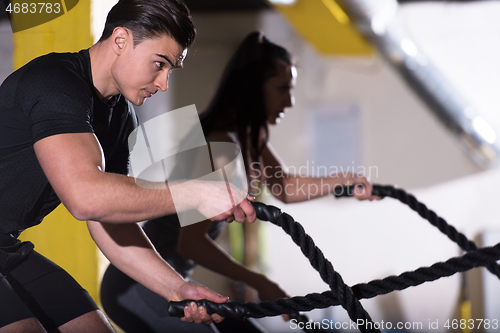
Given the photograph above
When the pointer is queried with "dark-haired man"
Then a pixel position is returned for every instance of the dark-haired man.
(65, 121)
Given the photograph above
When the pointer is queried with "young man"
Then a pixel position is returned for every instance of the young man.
(65, 121)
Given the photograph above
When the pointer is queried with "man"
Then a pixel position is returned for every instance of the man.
(65, 121)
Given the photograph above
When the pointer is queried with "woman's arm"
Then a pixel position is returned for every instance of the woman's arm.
(128, 248)
(195, 244)
(295, 188)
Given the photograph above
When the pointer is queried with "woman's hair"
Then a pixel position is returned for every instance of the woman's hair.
(152, 18)
(238, 104)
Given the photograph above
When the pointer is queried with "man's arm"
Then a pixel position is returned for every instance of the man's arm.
(128, 248)
(74, 165)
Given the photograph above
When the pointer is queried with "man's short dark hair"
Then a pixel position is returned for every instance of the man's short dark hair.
(152, 18)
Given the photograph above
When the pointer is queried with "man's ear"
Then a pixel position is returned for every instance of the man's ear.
(121, 39)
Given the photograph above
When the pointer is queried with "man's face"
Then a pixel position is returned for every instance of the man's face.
(141, 70)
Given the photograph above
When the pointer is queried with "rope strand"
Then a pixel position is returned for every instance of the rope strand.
(422, 210)
(344, 294)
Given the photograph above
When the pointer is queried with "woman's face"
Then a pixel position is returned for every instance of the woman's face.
(278, 92)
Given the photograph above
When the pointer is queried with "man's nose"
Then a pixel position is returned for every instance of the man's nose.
(161, 81)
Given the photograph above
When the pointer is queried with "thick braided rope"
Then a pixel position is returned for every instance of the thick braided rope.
(344, 294)
(340, 294)
(371, 289)
(434, 219)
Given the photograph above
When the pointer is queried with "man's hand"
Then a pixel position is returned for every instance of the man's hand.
(241, 213)
(220, 201)
(193, 313)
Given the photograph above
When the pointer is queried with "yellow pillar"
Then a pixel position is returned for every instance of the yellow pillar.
(326, 26)
(61, 237)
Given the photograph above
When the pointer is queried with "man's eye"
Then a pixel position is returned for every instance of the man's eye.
(160, 64)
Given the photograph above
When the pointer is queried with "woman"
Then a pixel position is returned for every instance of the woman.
(255, 89)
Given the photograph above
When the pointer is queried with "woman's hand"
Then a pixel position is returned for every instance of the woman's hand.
(363, 187)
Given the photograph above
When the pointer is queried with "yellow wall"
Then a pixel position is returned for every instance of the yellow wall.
(60, 237)
(326, 26)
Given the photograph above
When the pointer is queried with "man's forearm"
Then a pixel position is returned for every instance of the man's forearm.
(128, 248)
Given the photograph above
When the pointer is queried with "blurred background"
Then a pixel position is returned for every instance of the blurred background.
(406, 92)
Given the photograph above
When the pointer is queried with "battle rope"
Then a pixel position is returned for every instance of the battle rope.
(429, 215)
(341, 294)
